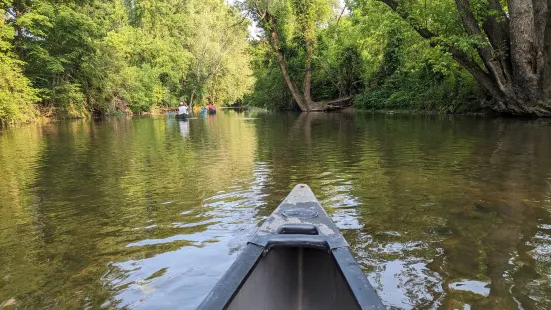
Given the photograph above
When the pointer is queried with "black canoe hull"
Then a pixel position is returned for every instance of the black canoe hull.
(181, 116)
(297, 260)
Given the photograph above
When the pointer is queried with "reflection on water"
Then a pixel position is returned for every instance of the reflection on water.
(184, 127)
(476, 287)
(448, 213)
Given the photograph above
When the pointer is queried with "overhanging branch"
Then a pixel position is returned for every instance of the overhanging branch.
(461, 57)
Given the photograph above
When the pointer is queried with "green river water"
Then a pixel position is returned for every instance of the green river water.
(149, 212)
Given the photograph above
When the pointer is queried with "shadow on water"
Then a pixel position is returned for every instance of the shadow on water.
(441, 212)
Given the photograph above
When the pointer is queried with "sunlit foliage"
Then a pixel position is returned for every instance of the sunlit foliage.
(367, 51)
(103, 57)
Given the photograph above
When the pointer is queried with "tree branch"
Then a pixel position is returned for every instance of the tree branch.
(342, 12)
(423, 32)
(496, 26)
(472, 28)
(481, 76)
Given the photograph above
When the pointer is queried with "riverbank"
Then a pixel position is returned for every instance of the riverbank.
(424, 112)
(46, 115)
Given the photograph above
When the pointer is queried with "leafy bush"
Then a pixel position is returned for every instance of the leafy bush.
(16, 94)
(414, 76)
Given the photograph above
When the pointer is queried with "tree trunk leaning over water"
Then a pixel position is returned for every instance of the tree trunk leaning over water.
(515, 50)
(302, 97)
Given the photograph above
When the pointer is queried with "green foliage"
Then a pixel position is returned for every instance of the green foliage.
(306, 27)
(338, 65)
(219, 68)
(82, 58)
(269, 90)
(102, 57)
(16, 94)
(408, 73)
(371, 53)
(431, 82)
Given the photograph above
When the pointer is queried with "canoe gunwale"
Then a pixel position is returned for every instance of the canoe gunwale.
(229, 285)
(365, 294)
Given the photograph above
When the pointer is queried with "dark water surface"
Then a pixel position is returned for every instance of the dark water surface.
(441, 212)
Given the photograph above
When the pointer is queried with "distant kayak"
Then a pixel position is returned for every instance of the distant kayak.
(181, 116)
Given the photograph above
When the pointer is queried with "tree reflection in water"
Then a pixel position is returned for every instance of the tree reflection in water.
(441, 212)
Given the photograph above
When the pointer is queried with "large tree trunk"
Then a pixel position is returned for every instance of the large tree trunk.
(304, 97)
(295, 91)
(515, 50)
(547, 52)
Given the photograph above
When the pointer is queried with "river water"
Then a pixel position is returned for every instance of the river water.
(140, 213)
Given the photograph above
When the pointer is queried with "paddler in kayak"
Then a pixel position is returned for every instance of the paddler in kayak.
(183, 109)
(211, 108)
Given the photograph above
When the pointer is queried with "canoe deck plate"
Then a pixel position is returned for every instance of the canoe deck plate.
(301, 214)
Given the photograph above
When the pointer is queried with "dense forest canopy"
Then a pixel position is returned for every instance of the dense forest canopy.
(428, 47)
(77, 58)
(91, 57)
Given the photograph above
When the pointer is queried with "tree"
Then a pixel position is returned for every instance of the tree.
(16, 93)
(220, 68)
(291, 27)
(339, 63)
(269, 90)
(101, 57)
(507, 49)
